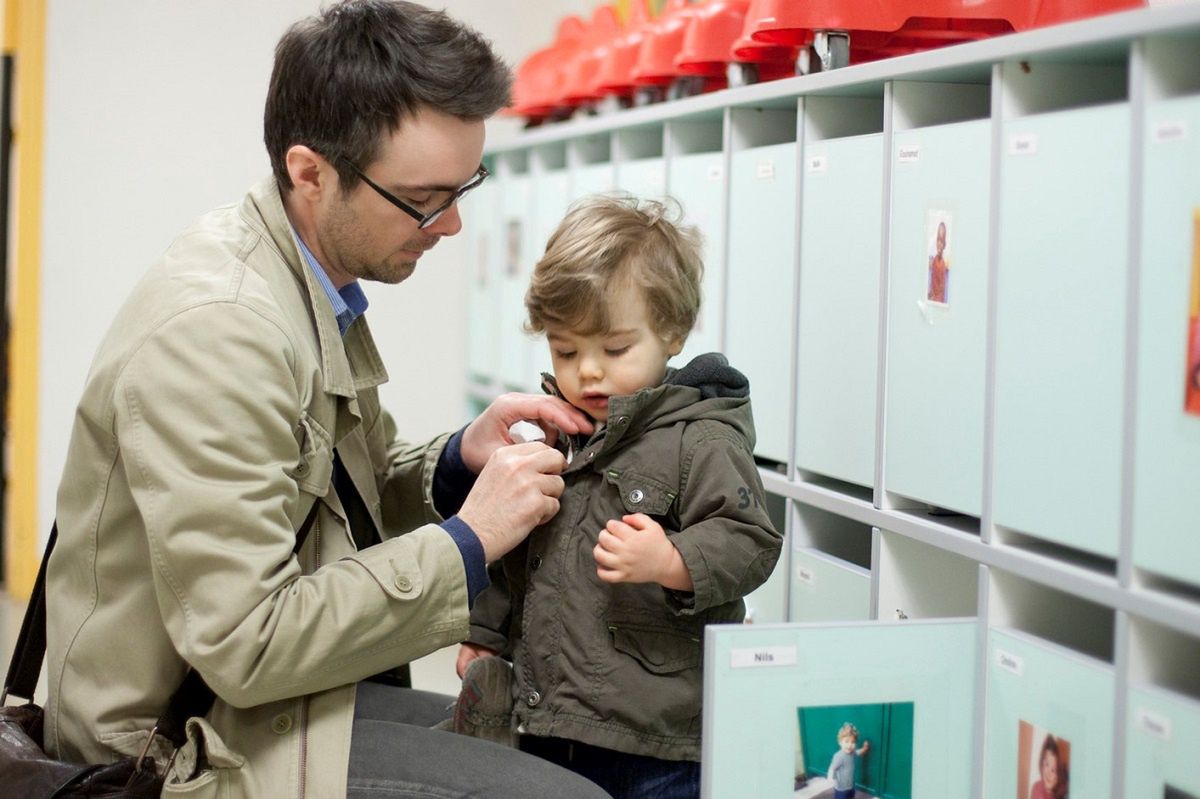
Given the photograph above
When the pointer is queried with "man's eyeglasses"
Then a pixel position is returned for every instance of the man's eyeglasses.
(425, 220)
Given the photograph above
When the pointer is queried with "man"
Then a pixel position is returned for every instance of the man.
(235, 393)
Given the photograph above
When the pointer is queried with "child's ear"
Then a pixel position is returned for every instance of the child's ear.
(675, 346)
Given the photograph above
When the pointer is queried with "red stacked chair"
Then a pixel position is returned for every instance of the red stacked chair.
(708, 42)
(537, 87)
(765, 60)
(580, 75)
(880, 28)
(615, 76)
(655, 69)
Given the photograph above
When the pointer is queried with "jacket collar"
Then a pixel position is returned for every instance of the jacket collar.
(350, 363)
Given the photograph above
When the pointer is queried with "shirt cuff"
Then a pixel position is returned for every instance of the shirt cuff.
(452, 480)
(472, 554)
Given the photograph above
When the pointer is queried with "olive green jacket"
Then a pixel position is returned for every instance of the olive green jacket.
(204, 436)
(619, 666)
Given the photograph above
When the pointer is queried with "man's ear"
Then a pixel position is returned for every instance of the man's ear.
(311, 174)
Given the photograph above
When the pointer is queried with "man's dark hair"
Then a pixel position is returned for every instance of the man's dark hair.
(345, 78)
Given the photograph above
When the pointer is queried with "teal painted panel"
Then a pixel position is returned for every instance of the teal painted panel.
(760, 284)
(837, 360)
(592, 179)
(1167, 463)
(1161, 744)
(480, 226)
(1052, 691)
(826, 588)
(643, 177)
(550, 202)
(1060, 339)
(752, 740)
(697, 182)
(516, 264)
(937, 340)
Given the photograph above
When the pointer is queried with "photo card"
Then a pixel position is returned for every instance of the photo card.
(1043, 763)
(793, 710)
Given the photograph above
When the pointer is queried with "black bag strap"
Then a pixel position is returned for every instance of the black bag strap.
(192, 698)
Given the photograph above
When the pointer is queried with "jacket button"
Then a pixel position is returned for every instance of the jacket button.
(535, 564)
(532, 698)
(403, 583)
(636, 496)
(302, 467)
(281, 724)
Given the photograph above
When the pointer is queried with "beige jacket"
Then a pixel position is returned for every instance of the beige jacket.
(204, 435)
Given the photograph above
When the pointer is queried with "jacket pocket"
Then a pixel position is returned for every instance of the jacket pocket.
(658, 650)
(205, 761)
(640, 493)
(652, 683)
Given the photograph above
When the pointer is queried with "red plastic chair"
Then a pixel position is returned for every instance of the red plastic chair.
(616, 70)
(708, 41)
(580, 74)
(886, 27)
(664, 39)
(770, 61)
(537, 85)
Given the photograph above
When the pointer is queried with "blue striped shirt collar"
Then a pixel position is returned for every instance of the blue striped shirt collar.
(348, 303)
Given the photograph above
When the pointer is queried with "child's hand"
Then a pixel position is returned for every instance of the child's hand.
(468, 652)
(636, 550)
(865, 748)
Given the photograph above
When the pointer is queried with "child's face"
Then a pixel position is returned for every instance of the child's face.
(848, 743)
(628, 358)
(1049, 769)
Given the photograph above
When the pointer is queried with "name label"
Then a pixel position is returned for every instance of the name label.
(908, 153)
(817, 163)
(765, 170)
(1022, 144)
(1154, 724)
(1010, 662)
(763, 657)
(1170, 131)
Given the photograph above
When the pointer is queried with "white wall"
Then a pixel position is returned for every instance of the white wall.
(154, 116)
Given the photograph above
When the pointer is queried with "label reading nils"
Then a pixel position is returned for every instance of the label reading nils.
(763, 656)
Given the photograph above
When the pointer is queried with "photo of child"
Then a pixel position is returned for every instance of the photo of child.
(1043, 762)
(1191, 401)
(855, 751)
(937, 227)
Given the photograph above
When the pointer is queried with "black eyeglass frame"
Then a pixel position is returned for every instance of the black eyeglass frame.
(425, 220)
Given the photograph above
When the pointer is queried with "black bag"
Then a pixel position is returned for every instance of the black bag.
(25, 768)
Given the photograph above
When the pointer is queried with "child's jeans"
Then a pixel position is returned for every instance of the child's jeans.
(623, 775)
(846, 794)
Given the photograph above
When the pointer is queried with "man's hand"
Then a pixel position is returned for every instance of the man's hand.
(636, 550)
(489, 431)
(468, 652)
(517, 490)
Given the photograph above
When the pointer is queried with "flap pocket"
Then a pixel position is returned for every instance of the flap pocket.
(314, 470)
(661, 650)
(641, 494)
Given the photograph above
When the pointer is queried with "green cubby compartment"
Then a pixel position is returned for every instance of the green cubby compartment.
(920, 581)
(775, 696)
(591, 165)
(696, 178)
(830, 569)
(1060, 337)
(516, 258)
(641, 168)
(1167, 438)
(483, 281)
(837, 360)
(1037, 689)
(1162, 738)
(768, 604)
(760, 281)
(933, 448)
